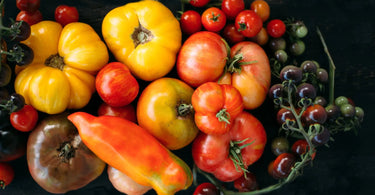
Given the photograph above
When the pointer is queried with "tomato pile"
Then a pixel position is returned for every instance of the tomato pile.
(160, 83)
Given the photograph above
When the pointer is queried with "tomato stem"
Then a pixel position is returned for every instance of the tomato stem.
(184, 109)
(141, 35)
(223, 115)
(2, 184)
(55, 61)
(66, 151)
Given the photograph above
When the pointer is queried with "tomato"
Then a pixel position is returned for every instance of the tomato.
(216, 107)
(262, 8)
(231, 8)
(30, 6)
(206, 188)
(116, 85)
(252, 79)
(132, 150)
(314, 114)
(24, 119)
(199, 3)
(276, 28)
(126, 112)
(30, 17)
(283, 164)
(164, 109)
(145, 36)
(246, 184)
(57, 159)
(190, 22)
(213, 19)
(245, 140)
(195, 65)
(65, 14)
(261, 38)
(6, 174)
(231, 34)
(248, 23)
(12, 141)
(300, 147)
(124, 183)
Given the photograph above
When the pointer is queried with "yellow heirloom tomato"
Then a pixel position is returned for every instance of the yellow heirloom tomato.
(61, 75)
(144, 35)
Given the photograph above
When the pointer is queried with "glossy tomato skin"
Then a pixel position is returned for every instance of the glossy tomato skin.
(231, 34)
(190, 22)
(199, 3)
(216, 106)
(126, 112)
(24, 119)
(211, 152)
(232, 7)
(116, 85)
(6, 174)
(213, 19)
(28, 5)
(164, 109)
(206, 188)
(195, 65)
(65, 14)
(276, 28)
(262, 8)
(12, 143)
(30, 18)
(253, 80)
(248, 23)
(57, 159)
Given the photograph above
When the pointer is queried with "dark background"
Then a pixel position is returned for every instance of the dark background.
(348, 165)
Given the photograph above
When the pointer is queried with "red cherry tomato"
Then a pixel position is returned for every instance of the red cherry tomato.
(30, 6)
(231, 8)
(276, 28)
(248, 23)
(231, 34)
(65, 14)
(127, 112)
(300, 147)
(206, 189)
(190, 22)
(6, 174)
(24, 119)
(213, 19)
(246, 184)
(30, 17)
(199, 3)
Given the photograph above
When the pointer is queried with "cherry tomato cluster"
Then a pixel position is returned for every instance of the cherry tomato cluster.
(29, 11)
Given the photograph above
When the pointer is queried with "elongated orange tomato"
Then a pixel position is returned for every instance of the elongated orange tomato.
(120, 143)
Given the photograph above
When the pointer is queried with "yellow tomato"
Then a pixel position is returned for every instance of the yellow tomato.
(61, 73)
(145, 36)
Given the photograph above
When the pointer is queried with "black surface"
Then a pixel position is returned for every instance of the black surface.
(348, 165)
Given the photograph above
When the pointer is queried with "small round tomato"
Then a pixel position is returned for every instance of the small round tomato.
(276, 28)
(190, 22)
(248, 23)
(65, 14)
(206, 188)
(231, 34)
(116, 85)
(127, 112)
(261, 38)
(28, 5)
(246, 184)
(164, 109)
(262, 8)
(213, 19)
(232, 7)
(30, 17)
(199, 3)
(283, 164)
(24, 119)
(6, 174)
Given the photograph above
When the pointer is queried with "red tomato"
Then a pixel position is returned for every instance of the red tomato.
(246, 184)
(283, 164)
(6, 174)
(30, 17)
(199, 3)
(248, 23)
(213, 153)
(66, 14)
(190, 22)
(28, 5)
(195, 65)
(276, 28)
(252, 80)
(116, 85)
(126, 112)
(206, 188)
(24, 119)
(216, 106)
(231, 8)
(262, 8)
(213, 19)
(231, 34)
